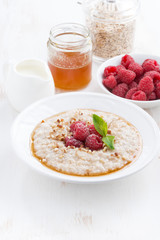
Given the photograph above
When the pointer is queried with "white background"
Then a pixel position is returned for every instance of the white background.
(36, 207)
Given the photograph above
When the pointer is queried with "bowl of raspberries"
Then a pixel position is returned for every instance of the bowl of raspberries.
(135, 77)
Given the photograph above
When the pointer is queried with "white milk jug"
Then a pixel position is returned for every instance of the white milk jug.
(27, 82)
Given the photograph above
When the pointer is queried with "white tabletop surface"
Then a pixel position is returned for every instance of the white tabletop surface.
(34, 207)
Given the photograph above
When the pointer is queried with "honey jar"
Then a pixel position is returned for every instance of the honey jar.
(70, 56)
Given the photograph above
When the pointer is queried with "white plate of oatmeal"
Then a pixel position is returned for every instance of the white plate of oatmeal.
(40, 134)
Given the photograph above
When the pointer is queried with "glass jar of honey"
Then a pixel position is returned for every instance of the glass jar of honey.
(70, 56)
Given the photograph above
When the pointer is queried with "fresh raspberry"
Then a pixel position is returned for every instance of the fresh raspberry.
(72, 127)
(110, 82)
(138, 79)
(73, 142)
(132, 85)
(126, 60)
(110, 70)
(154, 75)
(158, 86)
(136, 68)
(126, 76)
(92, 130)
(150, 65)
(139, 96)
(131, 92)
(94, 142)
(152, 96)
(81, 132)
(120, 90)
(119, 67)
(157, 91)
(146, 85)
(117, 79)
(156, 82)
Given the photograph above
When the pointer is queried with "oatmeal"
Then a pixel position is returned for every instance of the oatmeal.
(49, 144)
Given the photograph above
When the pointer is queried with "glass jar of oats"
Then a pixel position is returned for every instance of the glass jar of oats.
(112, 26)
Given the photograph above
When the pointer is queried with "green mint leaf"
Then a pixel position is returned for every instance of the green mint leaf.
(109, 141)
(100, 125)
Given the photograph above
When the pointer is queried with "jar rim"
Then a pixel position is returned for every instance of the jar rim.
(127, 18)
(72, 29)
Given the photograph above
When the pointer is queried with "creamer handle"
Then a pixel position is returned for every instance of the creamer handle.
(7, 68)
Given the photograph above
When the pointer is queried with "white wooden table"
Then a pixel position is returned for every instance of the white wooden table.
(34, 207)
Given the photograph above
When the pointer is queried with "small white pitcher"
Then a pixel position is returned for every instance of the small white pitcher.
(27, 82)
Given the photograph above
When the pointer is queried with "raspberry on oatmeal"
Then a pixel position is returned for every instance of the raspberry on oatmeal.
(81, 132)
(71, 141)
(94, 142)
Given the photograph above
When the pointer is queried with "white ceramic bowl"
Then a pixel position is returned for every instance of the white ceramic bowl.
(31, 116)
(139, 58)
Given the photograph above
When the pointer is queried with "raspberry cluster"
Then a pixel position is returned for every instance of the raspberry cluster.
(84, 136)
(133, 81)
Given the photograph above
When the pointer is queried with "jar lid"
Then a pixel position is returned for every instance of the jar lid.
(114, 11)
